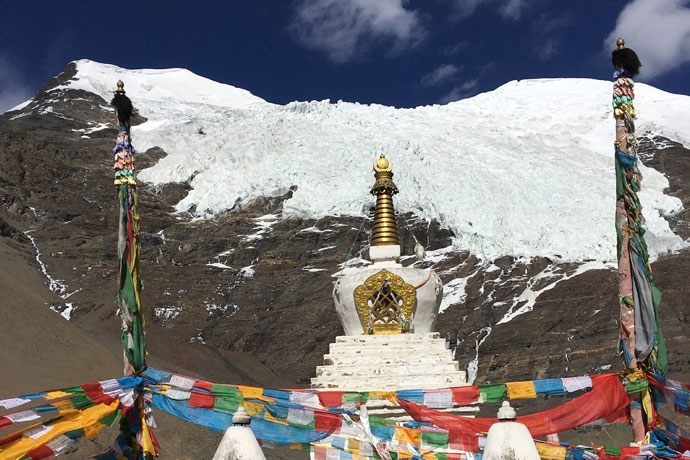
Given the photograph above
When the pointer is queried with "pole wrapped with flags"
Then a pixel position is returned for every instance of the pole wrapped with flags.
(641, 342)
(135, 422)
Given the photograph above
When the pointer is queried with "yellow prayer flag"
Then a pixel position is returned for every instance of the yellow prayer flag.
(146, 441)
(521, 390)
(352, 444)
(92, 430)
(250, 392)
(270, 418)
(647, 405)
(389, 395)
(404, 434)
(64, 406)
(550, 451)
(79, 419)
(58, 394)
(253, 408)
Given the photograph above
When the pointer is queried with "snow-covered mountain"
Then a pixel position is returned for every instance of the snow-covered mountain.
(512, 190)
(525, 170)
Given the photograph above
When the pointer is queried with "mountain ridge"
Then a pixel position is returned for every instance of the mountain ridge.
(243, 296)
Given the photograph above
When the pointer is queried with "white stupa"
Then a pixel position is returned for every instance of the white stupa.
(388, 313)
(509, 439)
(238, 442)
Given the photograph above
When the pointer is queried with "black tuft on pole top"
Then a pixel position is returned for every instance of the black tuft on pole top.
(625, 59)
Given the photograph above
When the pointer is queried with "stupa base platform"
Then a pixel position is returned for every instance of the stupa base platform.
(391, 363)
(388, 363)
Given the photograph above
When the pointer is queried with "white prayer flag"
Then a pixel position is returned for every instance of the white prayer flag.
(178, 395)
(59, 443)
(13, 402)
(305, 398)
(299, 416)
(23, 416)
(576, 383)
(37, 432)
(181, 382)
(438, 399)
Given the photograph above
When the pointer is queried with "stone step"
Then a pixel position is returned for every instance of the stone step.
(388, 338)
(392, 358)
(389, 357)
(390, 383)
(438, 346)
(376, 369)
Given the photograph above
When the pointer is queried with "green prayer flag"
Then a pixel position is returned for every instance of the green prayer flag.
(434, 439)
(109, 420)
(612, 450)
(636, 386)
(377, 421)
(355, 397)
(228, 391)
(81, 402)
(493, 392)
(225, 404)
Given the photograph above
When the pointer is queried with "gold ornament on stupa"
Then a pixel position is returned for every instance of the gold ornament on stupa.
(385, 304)
(120, 86)
(620, 43)
(385, 231)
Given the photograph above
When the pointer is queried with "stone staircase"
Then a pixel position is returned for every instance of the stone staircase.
(388, 362)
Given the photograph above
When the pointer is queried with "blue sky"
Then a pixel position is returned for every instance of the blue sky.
(395, 52)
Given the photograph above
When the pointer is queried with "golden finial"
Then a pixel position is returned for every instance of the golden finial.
(383, 164)
(120, 86)
(620, 43)
(385, 231)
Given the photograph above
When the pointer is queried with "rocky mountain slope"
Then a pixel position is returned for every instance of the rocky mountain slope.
(241, 293)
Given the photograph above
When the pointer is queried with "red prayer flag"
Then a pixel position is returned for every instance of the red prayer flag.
(40, 453)
(331, 398)
(202, 400)
(607, 400)
(5, 422)
(326, 423)
(95, 393)
(463, 396)
(203, 385)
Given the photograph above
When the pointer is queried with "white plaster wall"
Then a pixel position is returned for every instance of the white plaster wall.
(239, 443)
(428, 297)
(510, 441)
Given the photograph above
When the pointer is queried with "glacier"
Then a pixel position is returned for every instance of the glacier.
(525, 170)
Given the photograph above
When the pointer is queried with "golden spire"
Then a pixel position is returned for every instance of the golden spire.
(385, 231)
(120, 86)
(620, 43)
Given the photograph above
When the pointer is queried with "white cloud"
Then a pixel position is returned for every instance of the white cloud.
(658, 31)
(467, 89)
(440, 75)
(466, 8)
(345, 29)
(512, 9)
(548, 31)
(508, 9)
(13, 90)
(547, 49)
(457, 48)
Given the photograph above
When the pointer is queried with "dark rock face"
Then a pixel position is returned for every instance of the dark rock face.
(247, 296)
